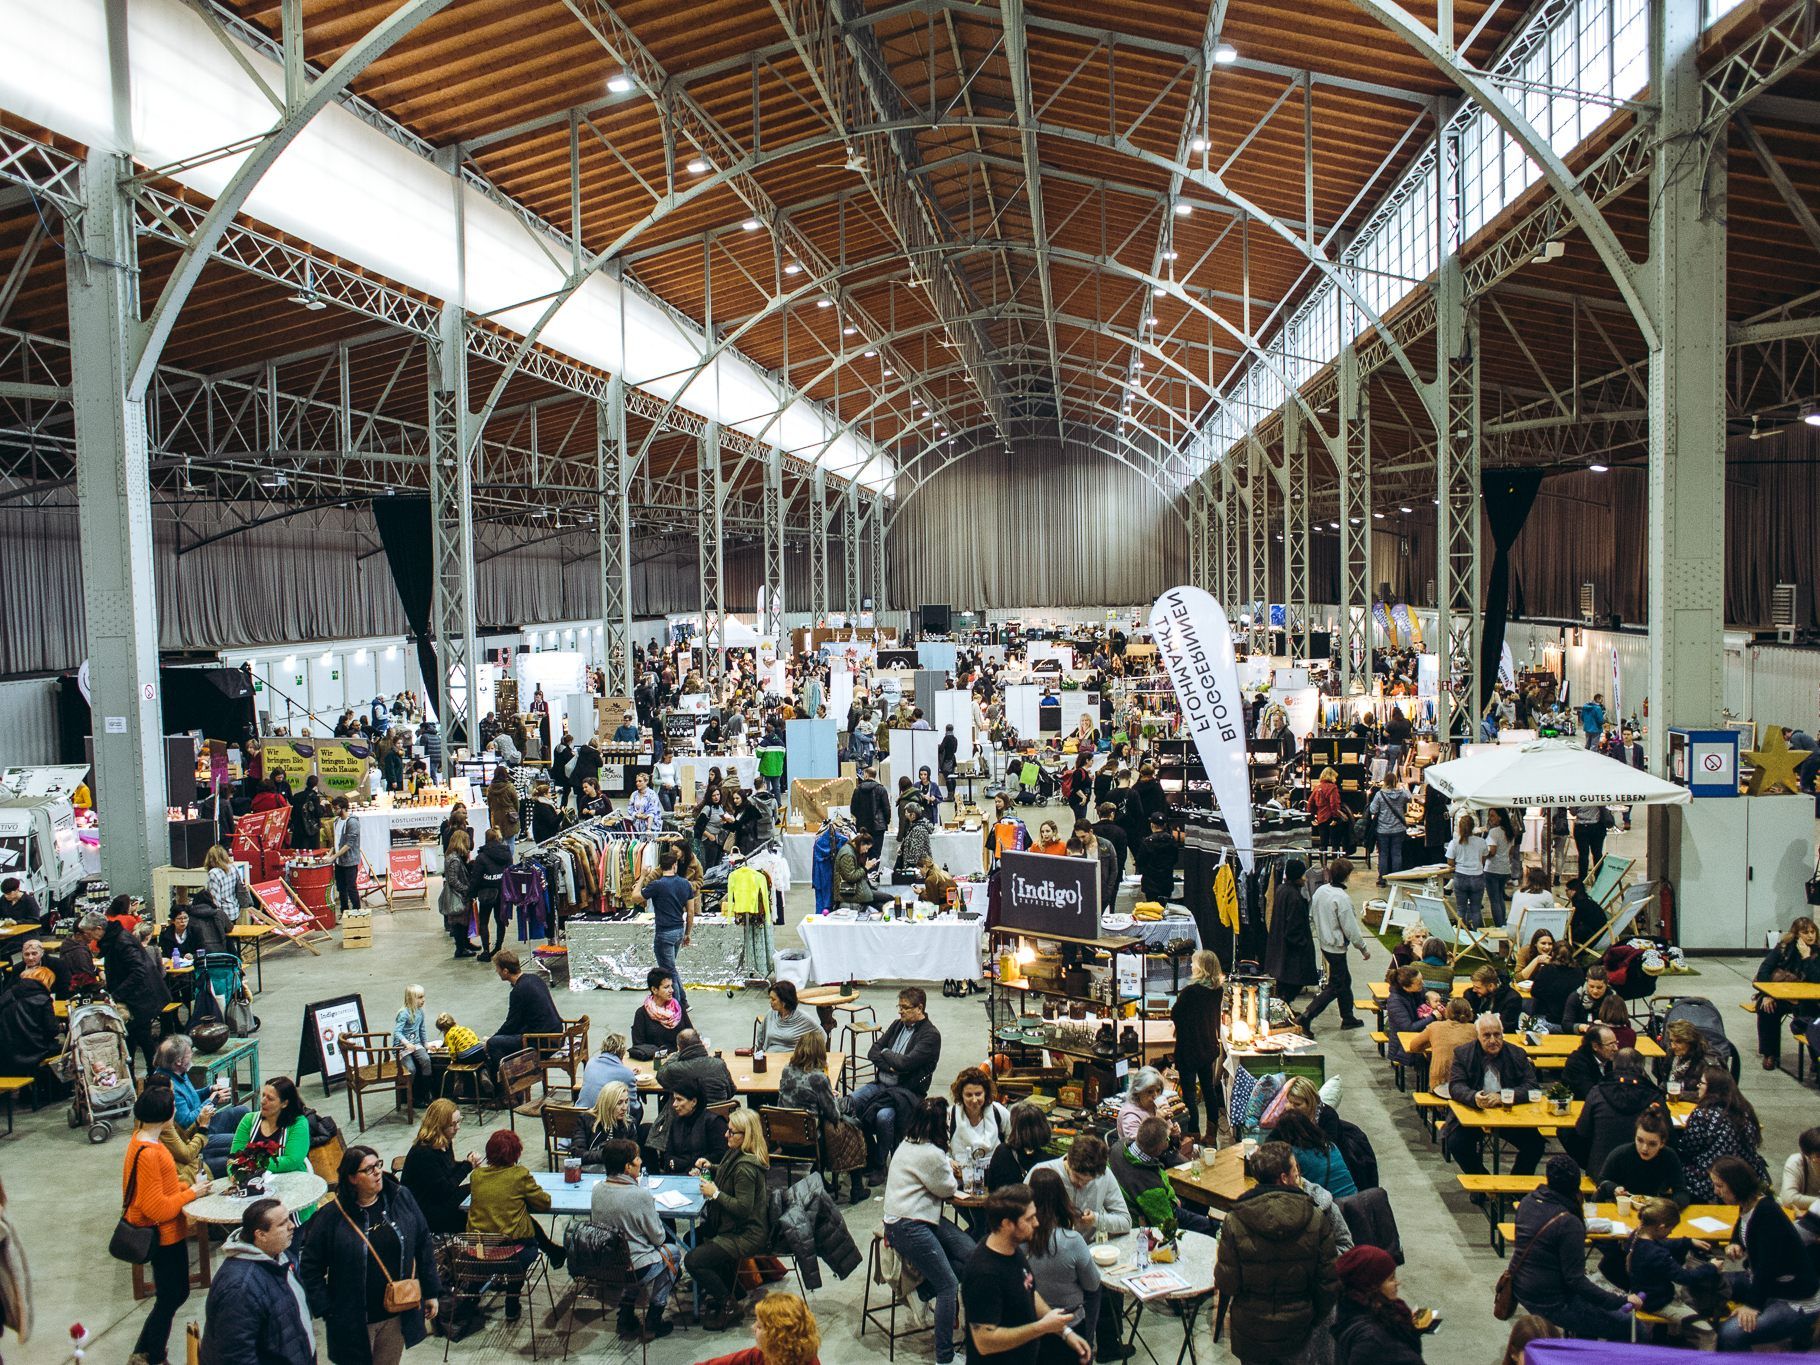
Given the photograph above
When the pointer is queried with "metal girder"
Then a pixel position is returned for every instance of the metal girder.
(1784, 44)
(1354, 478)
(711, 539)
(613, 518)
(850, 550)
(851, 75)
(1200, 538)
(113, 484)
(48, 172)
(1296, 604)
(1257, 586)
(1457, 581)
(1230, 531)
(304, 100)
(818, 546)
(1017, 57)
(1484, 90)
(772, 623)
(451, 477)
(877, 542)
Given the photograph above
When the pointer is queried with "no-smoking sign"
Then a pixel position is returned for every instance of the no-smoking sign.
(1713, 763)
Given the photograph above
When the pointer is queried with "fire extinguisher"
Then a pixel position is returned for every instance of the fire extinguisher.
(1666, 900)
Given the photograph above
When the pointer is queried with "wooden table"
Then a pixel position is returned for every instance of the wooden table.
(296, 1190)
(1380, 990)
(745, 1082)
(256, 934)
(1625, 1223)
(1789, 990)
(825, 1000)
(1534, 1116)
(1221, 1183)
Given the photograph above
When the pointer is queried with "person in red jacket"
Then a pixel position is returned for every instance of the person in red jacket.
(154, 1197)
(1329, 813)
(785, 1334)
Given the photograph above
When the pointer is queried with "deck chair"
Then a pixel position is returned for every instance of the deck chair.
(1443, 922)
(1607, 879)
(1620, 916)
(1553, 918)
(367, 886)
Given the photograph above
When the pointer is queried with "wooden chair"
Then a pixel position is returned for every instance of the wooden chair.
(519, 1074)
(724, 1108)
(560, 1124)
(565, 1052)
(793, 1135)
(326, 1161)
(375, 1063)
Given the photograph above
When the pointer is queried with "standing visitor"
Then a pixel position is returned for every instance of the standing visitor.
(1465, 857)
(1501, 854)
(1274, 1262)
(673, 902)
(1336, 929)
(1289, 955)
(1005, 1314)
(346, 853)
(257, 1312)
(1389, 813)
(153, 1199)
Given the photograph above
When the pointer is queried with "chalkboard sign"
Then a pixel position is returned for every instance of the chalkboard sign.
(319, 1047)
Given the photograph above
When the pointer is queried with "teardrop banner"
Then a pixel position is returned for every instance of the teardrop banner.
(1191, 630)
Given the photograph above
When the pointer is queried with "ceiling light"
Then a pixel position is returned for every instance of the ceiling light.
(698, 167)
(824, 303)
(1377, 516)
(1225, 54)
(1811, 415)
(1150, 321)
(1598, 468)
(1138, 364)
(1405, 510)
(848, 331)
(870, 354)
(1171, 254)
(793, 269)
(889, 373)
(1198, 144)
(1183, 208)
(750, 225)
(620, 83)
(1159, 291)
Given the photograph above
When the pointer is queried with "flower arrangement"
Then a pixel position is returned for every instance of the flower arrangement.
(1559, 1097)
(249, 1165)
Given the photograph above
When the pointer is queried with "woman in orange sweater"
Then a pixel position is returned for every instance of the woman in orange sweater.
(152, 1196)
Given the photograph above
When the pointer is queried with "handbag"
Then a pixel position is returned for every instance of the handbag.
(130, 1242)
(1504, 1297)
(400, 1295)
(846, 1147)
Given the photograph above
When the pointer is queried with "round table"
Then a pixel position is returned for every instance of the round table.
(1193, 1263)
(296, 1190)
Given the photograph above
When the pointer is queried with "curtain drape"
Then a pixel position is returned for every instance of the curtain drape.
(1509, 494)
(1045, 526)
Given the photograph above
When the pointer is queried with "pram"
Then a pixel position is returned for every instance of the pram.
(220, 990)
(99, 1065)
(1704, 1016)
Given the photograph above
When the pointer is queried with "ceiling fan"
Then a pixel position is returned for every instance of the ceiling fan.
(855, 162)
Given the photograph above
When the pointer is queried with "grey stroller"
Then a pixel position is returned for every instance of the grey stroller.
(99, 1066)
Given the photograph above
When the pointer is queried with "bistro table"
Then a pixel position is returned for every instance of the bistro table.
(1794, 992)
(1221, 1182)
(256, 934)
(575, 1198)
(745, 1081)
(1193, 1263)
(298, 1191)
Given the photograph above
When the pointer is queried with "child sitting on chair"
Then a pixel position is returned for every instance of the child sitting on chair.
(464, 1044)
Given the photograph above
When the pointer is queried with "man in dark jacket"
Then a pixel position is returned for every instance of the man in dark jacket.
(1275, 1261)
(256, 1308)
(904, 1059)
(529, 1009)
(586, 766)
(1590, 1063)
(1108, 830)
(871, 807)
(1156, 860)
(694, 1064)
(560, 762)
(135, 982)
(1548, 1262)
(1480, 1071)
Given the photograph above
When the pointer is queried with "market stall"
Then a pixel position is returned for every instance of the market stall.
(843, 947)
(616, 955)
(960, 851)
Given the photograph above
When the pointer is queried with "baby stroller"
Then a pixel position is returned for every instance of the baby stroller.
(220, 992)
(99, 1066)
(1703, 1015)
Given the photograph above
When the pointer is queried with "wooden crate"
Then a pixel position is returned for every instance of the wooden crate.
(357, 930)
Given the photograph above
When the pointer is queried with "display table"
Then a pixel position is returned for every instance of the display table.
(616, 955)
(962, 852)
(377, 827)
(892, 950)
(696, 767)
(1154, 933)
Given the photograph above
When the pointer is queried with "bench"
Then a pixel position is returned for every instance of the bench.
(1497, 1189)
(10, 1086)
(1433, 1110)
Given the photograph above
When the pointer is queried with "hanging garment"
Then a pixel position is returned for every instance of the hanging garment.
(1226, 896)
(748, 893)
(821, 867)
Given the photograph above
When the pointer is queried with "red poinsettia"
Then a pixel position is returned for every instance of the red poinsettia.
(256, 1158)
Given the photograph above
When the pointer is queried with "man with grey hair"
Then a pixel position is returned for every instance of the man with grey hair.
(1482, 1071)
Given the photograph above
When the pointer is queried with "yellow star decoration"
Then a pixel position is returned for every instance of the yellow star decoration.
(1773, 764)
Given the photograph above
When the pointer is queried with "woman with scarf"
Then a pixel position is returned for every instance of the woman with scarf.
(660, 1018)
(1373, 1326)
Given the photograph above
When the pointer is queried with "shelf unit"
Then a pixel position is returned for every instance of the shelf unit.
(1015, 1028)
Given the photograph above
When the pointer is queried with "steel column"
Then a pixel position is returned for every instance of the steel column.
(711, 548)
(772, 625)
(1686, 279)
(850, 556)
(878, 552)
(1257, 530)
(1296, 606)
(1457, 455)
(1200, 570)
(1231, 534)
(613, 471)
(113, 488)
(452, 531)
(818, 546)
(1355, 525)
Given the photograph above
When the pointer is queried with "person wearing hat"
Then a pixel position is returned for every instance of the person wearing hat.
(1373, 1325)
(912, 844)
(1289, 955)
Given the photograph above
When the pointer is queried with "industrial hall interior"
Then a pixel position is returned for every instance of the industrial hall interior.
(1021, 681)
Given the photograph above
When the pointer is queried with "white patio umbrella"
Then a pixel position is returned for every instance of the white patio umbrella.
(1549, 772)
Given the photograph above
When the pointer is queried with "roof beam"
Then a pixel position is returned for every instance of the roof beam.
(1017, 54)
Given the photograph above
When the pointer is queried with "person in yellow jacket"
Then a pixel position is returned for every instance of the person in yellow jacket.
(501, 1197)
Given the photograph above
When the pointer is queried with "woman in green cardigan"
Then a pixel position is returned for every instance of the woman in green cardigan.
(738, 1222)
(280, 1122)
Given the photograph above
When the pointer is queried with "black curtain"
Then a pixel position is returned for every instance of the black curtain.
(404, 532)
(1509, 496)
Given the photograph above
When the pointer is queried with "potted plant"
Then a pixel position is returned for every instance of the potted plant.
(1559, 1097)
(248, 1166)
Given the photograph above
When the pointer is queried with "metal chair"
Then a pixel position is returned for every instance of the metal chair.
(560, 1124)
(855, 1069)
(869, 1315)
(793, 1136)
(608, 1278)
(482, 1265)
(375, 1063)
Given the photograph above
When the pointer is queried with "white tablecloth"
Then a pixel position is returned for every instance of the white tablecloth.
(962, 852)
(892, 950)
(376, 827)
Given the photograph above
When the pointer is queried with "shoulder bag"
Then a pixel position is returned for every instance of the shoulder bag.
(400, 1295)
(1504, 1297)
(130, 1242)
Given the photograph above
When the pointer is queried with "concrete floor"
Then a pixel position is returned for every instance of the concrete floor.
(64, 1192)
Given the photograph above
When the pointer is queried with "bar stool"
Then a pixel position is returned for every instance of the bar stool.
(856, 1070)
(870, 1315)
